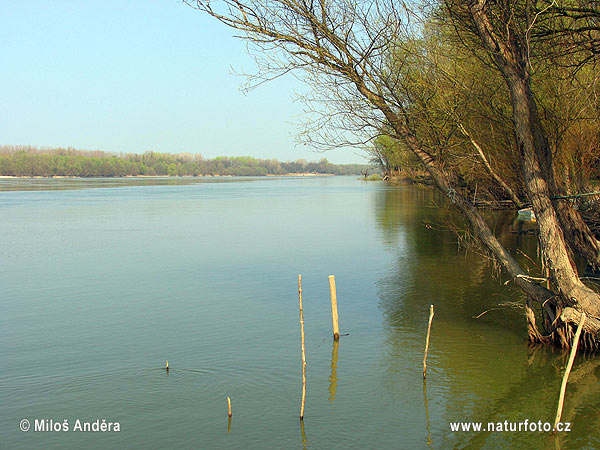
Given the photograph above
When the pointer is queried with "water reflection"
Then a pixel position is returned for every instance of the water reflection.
(195, 265)
(480, 369)
(61, 184)
(533, 395)
(303, 433)
(428, 440)
(333, 380)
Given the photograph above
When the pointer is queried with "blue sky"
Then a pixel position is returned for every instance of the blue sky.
(132, 76)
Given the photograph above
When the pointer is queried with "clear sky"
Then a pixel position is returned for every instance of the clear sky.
(132, 76)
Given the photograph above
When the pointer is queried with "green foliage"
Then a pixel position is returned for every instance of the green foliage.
(32, 162)
(393, 156)
(455, 99)
(373, 177)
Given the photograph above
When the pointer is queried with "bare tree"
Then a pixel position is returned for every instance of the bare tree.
(363, 54)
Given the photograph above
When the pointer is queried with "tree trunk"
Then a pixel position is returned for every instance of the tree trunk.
(536, 164)
(580, 238)
(445, 182)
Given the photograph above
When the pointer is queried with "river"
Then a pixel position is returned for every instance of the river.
(102, 281)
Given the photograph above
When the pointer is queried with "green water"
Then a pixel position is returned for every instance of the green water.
(101, 281)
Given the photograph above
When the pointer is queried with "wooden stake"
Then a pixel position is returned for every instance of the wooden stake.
(427, 342)
(228, 406)
(303, 350)
(334, 313)
(563, 387)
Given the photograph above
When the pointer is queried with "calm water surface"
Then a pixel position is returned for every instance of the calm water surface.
(101, 281)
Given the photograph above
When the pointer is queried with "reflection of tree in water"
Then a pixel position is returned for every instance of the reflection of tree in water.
(533, 395)
(397, 207)
(431, 268)
(482, 369)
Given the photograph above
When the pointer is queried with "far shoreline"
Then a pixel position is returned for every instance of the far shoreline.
(169, 176)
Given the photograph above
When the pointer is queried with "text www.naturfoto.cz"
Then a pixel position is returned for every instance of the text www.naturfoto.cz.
(506, 426)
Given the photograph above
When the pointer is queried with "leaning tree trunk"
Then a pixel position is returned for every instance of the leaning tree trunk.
(581, 239)
(573, 297)
(447, 184)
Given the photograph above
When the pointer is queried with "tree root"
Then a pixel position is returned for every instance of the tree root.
(562, 329)
(532, 330)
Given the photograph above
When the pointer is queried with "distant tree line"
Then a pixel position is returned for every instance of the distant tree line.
(21, 161)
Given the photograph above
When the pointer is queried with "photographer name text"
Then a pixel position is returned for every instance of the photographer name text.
(64, 426)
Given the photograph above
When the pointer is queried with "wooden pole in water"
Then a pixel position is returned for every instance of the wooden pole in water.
(228, 406)
(563, 387)
(167, 366)
(334, 313)
(427, 342)
(303, 350)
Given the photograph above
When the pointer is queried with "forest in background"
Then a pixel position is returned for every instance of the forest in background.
(25, 161)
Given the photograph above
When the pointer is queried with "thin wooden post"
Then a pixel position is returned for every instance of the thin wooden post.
(228, 406)
(303, 350)
(427, 342)
(563, 387)
(334, 312)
